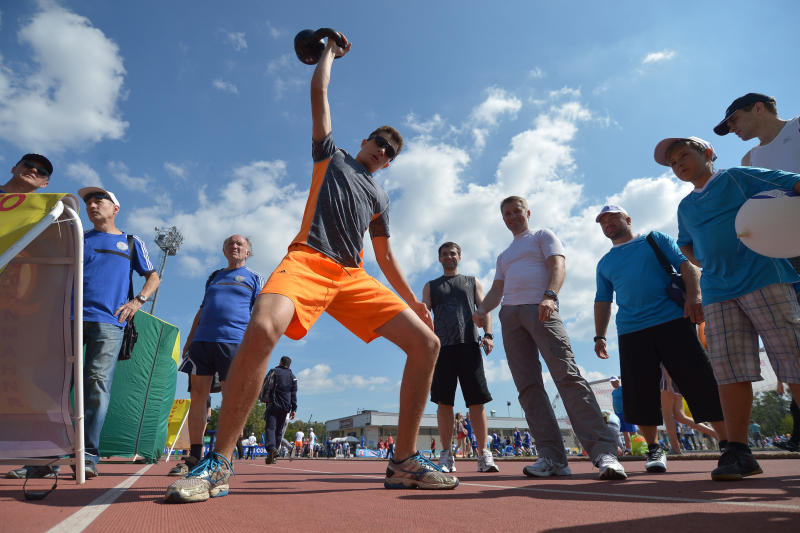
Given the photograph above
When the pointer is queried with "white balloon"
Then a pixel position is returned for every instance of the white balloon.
(769, 223)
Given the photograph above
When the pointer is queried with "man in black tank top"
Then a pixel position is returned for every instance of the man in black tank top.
(452, 298)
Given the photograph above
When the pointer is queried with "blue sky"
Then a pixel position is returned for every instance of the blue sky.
(196, 115)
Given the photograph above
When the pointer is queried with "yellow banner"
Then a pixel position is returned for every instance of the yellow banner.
(180, 408)
(20, 212)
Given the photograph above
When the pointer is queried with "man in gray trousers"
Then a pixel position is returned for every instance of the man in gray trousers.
(529, 275)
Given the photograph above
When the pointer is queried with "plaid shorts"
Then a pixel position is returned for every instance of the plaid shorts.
(734, 326)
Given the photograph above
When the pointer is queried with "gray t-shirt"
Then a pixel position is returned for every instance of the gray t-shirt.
(452, 302)
(342, 203)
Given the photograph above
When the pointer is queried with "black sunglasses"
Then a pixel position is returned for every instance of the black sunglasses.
(39, 169)
(388, 149)
(98, 195)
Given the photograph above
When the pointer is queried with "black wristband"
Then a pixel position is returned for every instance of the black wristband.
(599, 337)
(488, 336)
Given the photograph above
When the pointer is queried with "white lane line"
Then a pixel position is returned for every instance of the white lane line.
(585, 492)
(80, 520)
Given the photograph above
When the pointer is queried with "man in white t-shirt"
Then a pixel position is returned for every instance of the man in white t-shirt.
(756, 115)
(529, 275)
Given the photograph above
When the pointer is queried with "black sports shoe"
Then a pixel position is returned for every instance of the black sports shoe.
(272, 457)
(736, 463)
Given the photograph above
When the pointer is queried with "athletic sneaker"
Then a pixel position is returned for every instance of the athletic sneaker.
(32, 472)
(417, 472)
(656, 459)
(545, 467)
(609, 467)
(209, 479)
(272, 457)
(736, 462)
(447, 463)
(486, 462)
(181, 469)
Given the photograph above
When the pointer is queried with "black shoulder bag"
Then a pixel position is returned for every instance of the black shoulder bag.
(130, 335)
(676, 288)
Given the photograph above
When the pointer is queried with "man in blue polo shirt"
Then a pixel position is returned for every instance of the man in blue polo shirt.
(653, 329)
(215, 336)
(107, 264)
(745, 295)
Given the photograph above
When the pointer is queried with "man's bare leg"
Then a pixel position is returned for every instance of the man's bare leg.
(444, 418)
(479, 425)
(737, 401)
(271, 316)
(421, 346)
(201, 387)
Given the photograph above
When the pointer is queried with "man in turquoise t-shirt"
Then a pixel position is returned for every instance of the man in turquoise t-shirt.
(745, 295)
(652, 329)
(216, 333)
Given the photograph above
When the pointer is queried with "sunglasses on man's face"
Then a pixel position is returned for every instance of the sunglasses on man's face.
(388, 149)
(98, 195)
(39, 169)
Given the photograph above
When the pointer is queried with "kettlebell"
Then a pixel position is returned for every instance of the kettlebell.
(308, 44)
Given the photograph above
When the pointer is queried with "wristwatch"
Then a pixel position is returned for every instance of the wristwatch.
(142, 299)
(551, 294)
(488, 336)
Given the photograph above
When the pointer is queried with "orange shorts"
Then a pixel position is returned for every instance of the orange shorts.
(316, 283)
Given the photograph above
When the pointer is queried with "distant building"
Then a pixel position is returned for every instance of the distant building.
(374, 425)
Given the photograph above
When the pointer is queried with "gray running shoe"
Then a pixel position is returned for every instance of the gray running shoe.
(656, 459)
(209, 479)
(417, 472)
(447, 463)
(545, 467)
(486, 462)
(609, 467)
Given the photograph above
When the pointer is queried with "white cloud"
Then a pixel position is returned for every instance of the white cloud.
(236, 39)
(536, 73)
(85, 175)
(179, 171)
(497, 103)
(256, 200)
(121, 173)
(287, 74)
(74, 89)
(318, 379)
(655, 57)
(496, 371)
(225, 86)
(273, 31)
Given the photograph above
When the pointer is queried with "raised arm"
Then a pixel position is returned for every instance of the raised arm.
(390, 268)
(320, 110)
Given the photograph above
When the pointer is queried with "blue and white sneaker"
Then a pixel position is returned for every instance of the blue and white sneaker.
(209, 479)
(417, 472)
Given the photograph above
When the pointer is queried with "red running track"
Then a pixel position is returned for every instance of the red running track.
(326, 495)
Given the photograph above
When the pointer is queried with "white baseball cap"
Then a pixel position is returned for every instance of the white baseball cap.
(610, 209)
(660, 153)
(88, 190)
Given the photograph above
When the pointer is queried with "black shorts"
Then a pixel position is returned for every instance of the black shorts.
(208, 358)
(675, 344)
(460, 363)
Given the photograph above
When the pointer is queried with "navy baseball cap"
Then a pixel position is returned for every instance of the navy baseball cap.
(743, 101)
(38, 158)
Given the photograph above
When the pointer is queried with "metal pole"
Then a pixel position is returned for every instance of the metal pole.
(160, 276)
